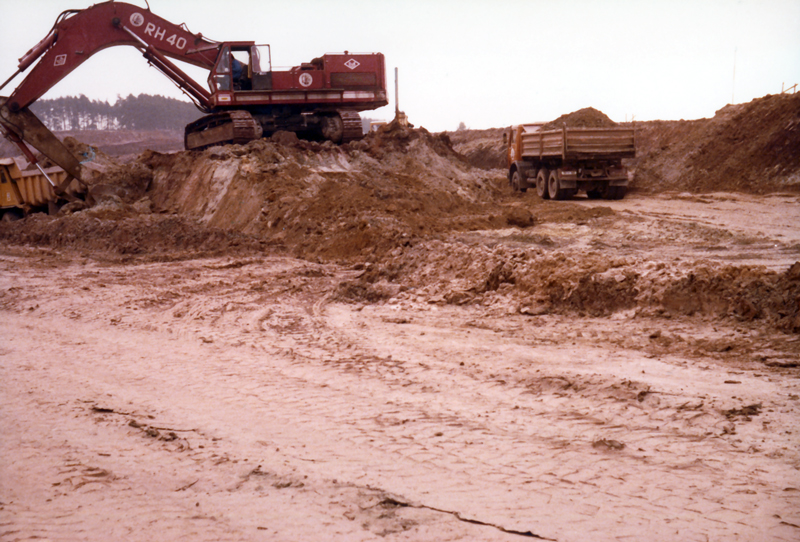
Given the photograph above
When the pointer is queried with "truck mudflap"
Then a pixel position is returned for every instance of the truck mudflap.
(568, 183)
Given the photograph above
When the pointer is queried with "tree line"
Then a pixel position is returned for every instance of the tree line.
(142, 112)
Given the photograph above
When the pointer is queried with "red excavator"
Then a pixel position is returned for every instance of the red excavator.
(245, 98)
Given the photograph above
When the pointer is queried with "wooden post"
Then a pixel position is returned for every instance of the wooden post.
(396, 94)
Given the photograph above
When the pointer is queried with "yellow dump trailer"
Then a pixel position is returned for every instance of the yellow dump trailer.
(24, 188)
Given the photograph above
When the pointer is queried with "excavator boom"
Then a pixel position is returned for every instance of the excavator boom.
(77, 35)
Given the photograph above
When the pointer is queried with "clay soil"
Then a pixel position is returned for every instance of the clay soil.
(380, 341)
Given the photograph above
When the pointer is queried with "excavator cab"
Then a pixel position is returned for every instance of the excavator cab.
(241, 67)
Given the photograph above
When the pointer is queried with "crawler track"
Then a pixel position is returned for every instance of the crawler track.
(353, 129)
(237, 127)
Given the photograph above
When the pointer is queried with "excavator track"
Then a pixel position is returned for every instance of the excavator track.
(353, 129)
(220, 128)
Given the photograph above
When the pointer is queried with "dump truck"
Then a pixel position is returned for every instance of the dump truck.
(25, 188)
(559, 163)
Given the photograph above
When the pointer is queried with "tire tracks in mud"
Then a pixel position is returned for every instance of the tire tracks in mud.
(113, 464)
(377, 397)
(430, 377)
(675, 429)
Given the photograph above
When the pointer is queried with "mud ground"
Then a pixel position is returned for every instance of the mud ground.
(430, 357)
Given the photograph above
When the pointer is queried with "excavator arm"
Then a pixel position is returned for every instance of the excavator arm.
(76, 36)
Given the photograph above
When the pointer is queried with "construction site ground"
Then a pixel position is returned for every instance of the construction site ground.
(380, 341)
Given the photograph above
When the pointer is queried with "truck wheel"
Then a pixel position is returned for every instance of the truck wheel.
(541, 184)
(594, 194)
(554, 187)
(517, 184)
(615, 192)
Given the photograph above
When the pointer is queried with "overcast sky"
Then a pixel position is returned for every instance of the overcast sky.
(487, 63)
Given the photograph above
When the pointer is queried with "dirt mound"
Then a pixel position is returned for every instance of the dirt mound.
(481, 148)
(322, 200)
(537, 281)
(317, 200)
(753, 148)
(588, 117)
(394, 137)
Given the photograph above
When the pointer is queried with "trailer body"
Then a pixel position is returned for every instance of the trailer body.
(559, 163)
(24, 188)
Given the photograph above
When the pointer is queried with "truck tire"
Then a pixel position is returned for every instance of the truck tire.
(554, 187)
(594, 194)
(541, 184)
(517, 182)
(615, 192)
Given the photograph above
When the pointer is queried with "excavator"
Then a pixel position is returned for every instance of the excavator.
(245, 99)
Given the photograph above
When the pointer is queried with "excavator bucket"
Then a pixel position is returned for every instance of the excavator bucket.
(24, 127)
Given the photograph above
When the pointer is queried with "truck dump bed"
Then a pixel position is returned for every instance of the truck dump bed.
(577, 143)
(20, 184)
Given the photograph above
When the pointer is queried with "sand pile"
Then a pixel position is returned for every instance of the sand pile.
(322, 200)
(312, 199)
(588, 117)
